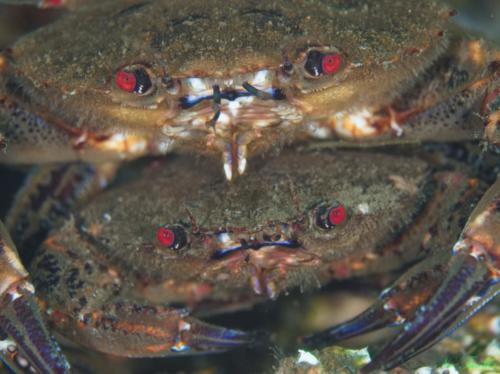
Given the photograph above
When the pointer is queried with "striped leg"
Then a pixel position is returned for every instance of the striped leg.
(25, 344)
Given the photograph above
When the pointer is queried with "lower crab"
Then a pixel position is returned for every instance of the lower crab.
(109, 276)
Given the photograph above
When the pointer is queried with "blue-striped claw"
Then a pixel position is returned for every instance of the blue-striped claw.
(25, 344)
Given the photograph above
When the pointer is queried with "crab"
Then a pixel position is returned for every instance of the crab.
(235, 80)
(109, 275)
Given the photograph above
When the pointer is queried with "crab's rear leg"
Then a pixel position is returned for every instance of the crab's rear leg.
(25, 344)
(436, 297)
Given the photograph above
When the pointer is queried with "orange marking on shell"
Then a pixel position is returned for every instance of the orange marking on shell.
(155, 348)
(141, 328)
(54, 244)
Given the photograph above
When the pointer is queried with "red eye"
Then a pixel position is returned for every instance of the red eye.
(126, 80)
(329, 216)
(337, 215)
(165, 236)
(171, 236)
(331, 63)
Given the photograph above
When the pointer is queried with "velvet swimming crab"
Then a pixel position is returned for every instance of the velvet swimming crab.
(112, 274)
(146, 77)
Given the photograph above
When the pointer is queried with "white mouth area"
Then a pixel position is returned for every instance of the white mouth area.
(200, 87)
(355, 125)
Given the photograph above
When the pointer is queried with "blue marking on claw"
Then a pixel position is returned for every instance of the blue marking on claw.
(180, 347)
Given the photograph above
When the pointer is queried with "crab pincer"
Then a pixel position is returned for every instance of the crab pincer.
(133, 330)
(437, 296)
(25, 344)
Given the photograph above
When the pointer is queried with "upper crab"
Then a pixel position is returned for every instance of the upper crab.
(121, 79)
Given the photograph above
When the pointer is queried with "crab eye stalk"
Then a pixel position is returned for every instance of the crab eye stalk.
(327, 217)
(134, 80)
(171, 236)
(318, 63)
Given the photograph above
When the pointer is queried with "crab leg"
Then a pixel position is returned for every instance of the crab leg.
(395, 304)
(456, 287)
(49, 194)
(25, 343)
(460, 295)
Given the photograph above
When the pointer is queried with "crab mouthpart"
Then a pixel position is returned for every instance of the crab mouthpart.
(259, 84)
(232, 112)
(230, 246)
(197, 89)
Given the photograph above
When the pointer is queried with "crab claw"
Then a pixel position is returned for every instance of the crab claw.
(394, 306)
(133, 330)
(465, 290)
(436, 297)
(25, 344)
(196, 336)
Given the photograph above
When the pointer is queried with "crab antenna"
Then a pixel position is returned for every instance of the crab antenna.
(216, 99)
